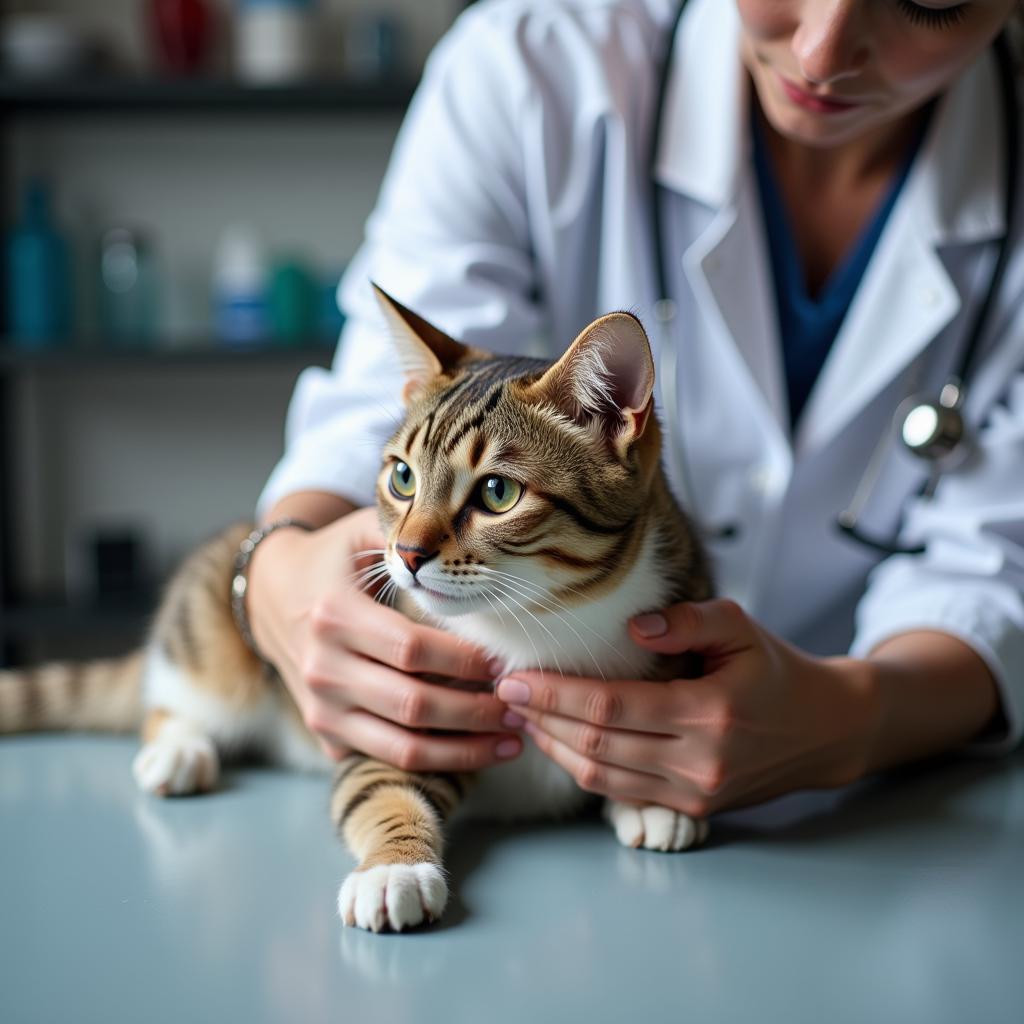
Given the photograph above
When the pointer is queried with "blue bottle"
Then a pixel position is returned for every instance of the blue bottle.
(38, 275)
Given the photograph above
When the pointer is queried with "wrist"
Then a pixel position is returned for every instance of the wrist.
(856, 718)
(259, 563)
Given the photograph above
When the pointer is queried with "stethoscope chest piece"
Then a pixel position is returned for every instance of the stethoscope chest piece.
(933, 430)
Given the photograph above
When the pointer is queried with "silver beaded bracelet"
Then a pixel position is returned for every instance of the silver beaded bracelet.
(240, 580)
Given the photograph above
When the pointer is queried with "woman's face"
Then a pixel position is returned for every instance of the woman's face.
(830, 71)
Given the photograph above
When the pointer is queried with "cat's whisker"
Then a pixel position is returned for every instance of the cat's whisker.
(375, 568)
(548, 596)
(553, 610)
(526, 632)
(369, 577)
(368, 551)
(561, 586)
(522, 579)
(543, 595)
(560, 618)
(522, 607)
(386, 593)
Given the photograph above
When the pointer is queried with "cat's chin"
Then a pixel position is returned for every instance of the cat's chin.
(443, 606)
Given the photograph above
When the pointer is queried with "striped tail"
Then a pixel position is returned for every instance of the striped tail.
(94, 696)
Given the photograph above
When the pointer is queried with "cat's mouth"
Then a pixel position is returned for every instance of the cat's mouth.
(444, 604)
(438, 595)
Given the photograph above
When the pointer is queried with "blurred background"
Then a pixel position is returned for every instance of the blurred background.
(183, 182)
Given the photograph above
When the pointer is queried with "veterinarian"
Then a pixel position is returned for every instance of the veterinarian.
(808, 211)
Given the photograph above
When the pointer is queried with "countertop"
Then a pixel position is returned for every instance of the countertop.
(899, 899)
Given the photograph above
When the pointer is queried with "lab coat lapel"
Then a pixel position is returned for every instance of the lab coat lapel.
(728, 264)
(706, 99)
(905, 300)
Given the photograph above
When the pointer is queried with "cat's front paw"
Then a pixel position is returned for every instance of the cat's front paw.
(177, 763)
(654, 828)
(396, 896)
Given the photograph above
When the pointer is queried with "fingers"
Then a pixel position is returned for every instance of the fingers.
(386, 636)
(597, 777)
(418, 752)
(718, 627)
(416, 704)
(632, 704)
(641, 751)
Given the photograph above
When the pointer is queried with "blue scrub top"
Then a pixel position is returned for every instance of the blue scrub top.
(808, 326)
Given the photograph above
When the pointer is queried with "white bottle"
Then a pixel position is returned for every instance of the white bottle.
(274, 40)
(240, 287)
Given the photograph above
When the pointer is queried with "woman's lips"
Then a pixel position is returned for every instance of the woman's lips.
(812, 102)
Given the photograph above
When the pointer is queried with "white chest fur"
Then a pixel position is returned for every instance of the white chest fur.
(588, 640)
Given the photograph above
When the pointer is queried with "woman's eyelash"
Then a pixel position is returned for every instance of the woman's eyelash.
(934, 17)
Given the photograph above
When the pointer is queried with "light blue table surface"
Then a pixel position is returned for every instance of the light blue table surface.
(897, 900)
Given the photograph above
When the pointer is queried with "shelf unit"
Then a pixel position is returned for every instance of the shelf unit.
(49, 614)
(125, 95)
(23, 615)
(89, 354)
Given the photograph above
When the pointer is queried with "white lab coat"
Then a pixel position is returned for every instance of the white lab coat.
(516, 209)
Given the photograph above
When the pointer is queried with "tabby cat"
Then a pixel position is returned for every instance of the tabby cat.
(525, 510)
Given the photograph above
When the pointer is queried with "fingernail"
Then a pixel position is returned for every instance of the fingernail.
(508, 748)
(513, 691)
(513, 721)
(651, 624)
(496, 667)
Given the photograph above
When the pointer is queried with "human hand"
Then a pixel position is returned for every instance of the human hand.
(349, 662)
(764, 719)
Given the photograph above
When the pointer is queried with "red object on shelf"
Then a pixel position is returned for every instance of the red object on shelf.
(182, 32)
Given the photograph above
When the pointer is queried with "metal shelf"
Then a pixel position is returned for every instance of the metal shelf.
(124, 95)
(200, 353)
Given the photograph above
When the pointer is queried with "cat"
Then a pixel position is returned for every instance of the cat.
(524, 509)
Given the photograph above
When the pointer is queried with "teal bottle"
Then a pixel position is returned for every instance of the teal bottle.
(38, 275)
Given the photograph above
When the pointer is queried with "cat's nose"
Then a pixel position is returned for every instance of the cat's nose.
(415, 558)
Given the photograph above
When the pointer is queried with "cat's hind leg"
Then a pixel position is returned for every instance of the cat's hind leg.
(194, 718)
(653, 827)
(177, 758)
(392, 822)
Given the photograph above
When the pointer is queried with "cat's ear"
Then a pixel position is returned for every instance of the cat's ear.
(424, 351)
(606, 375)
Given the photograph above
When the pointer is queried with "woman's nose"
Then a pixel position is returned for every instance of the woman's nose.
(832, 42)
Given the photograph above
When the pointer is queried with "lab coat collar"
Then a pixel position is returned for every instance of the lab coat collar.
(959, 188)
(703, 138)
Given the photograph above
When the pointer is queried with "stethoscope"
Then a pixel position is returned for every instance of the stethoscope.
(931, 429)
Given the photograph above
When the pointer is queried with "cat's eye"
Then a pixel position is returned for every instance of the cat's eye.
(402, 481)
(499, 494)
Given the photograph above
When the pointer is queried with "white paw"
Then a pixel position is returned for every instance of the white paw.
(393, 895)
(176, 763)
(655, 828)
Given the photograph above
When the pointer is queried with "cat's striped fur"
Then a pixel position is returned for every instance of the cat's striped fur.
(594, 538)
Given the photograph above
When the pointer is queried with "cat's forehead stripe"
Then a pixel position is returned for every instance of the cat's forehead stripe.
(477, 451)
(458, 434)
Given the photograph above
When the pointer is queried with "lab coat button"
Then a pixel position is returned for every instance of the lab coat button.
(929, 296)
